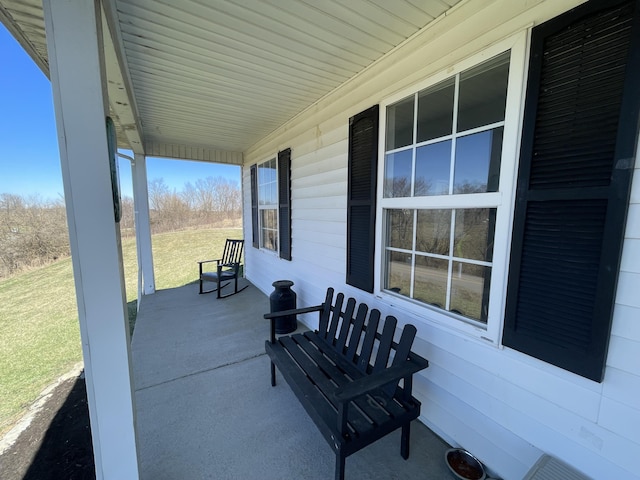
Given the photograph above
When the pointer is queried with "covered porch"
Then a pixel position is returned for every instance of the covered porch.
(277, 88)
(205, 407)
(188, 80)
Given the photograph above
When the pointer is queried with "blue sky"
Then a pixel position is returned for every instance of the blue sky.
(29, 155)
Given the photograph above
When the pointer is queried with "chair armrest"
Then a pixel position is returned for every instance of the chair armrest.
(377, 380)
(206, 261)
(295, 311)
(231, 264)
(202, 262)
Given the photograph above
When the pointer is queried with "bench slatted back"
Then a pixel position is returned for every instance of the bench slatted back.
(336, 310)
(405, 343)
(369, 340)
(324, 313)
(358, 325)
(356, 337)
(344, 329)
(384, 348)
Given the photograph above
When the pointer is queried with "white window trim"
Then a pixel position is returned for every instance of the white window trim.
(261, 208)
(504, 200)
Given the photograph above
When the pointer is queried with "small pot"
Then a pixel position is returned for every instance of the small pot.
(463, 465)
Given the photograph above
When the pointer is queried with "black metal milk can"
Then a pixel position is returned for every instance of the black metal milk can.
(283, 298)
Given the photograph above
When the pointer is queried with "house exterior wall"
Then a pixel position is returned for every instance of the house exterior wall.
(504, 406)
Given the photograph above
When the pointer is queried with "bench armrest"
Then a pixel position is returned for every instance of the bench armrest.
(294, 311)
(283, 313)
(377, 380)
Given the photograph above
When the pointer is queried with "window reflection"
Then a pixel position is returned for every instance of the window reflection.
(483, 93)
(269, 228)
(267, 183)
(444, 272)
(477, 165)
(400, 124)
(443, 256)
(400, 229)
(398, 273)
(268, 201)
(433, 169)
(470, 290)
(397, 174)
(474, 232)
(435, 111)
(430, 283)
(433, 231)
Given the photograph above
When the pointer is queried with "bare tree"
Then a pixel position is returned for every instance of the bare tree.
(205, 194)
(158, 192)
(216, 198)
(227, 199)
(127, 216)
(189, 196)
(32, 232)
(175, 213)
(169, 210)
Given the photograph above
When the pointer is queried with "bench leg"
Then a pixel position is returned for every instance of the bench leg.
(273, 375)
(340, 461)
(404, 440)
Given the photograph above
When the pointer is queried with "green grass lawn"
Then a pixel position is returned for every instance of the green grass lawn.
(39, 331)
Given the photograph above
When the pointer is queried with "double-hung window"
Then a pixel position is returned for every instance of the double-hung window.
(441, 189)
(268, 204)
(271, 204)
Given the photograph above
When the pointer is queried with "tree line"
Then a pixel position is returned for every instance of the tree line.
(33, 231)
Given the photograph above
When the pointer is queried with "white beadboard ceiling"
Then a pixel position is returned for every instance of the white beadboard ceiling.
(207, 79)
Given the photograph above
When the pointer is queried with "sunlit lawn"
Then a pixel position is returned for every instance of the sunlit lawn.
(39, 331)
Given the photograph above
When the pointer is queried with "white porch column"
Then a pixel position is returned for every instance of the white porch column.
(74, 41)
(147, 285)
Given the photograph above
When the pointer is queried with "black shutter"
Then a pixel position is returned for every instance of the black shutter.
(580, 128)
(284, 203)
(361, 198)
(255, 233)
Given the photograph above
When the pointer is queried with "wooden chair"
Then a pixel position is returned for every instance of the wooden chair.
(227, 268)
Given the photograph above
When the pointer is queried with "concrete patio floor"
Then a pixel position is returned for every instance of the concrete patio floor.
(206, 409)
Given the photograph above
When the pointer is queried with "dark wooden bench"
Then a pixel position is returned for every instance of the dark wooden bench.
(353, 380)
